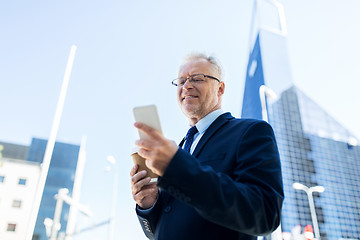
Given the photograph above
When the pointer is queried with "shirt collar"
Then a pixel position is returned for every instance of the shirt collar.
(206, 121)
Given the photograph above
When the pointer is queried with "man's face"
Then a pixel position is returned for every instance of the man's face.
(198, 100)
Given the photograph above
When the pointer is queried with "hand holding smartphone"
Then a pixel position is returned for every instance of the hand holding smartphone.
(149, 116)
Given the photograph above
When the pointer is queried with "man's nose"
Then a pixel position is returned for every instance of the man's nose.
(188, 84)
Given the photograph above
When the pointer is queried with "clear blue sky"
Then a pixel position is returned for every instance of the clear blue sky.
(128, 53)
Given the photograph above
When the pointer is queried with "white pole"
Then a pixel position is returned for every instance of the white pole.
(309, 192)
(57, 215)
(76, 191)
(252, 27)
(313, 213)
(50, 147)
(112, 160)
(263, 92)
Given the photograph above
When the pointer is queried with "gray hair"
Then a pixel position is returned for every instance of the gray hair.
(215, 65)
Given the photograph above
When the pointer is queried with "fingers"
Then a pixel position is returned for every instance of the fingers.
(141, 188)
(144, 153)
(143, 143)
(148, 191)
(137, 187)
(157, 150)
(139, 181)
(143, 192)
(138, 176)
(134, 169)
(151, 132)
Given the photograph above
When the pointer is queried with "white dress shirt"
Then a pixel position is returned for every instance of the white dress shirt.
(202, 125)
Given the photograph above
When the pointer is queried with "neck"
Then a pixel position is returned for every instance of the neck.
(194, 119)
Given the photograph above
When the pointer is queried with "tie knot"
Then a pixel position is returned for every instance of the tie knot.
(192, 131)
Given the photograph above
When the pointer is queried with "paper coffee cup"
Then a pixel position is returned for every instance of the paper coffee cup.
(141, 162)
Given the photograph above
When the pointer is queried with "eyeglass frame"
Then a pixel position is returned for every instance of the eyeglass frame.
(191, 80)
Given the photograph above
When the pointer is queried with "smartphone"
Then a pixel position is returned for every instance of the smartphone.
(148, 115)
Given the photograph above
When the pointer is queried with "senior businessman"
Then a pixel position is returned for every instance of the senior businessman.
(223, 181)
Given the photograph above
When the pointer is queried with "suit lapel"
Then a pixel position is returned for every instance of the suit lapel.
(218, 123)
(182, 142)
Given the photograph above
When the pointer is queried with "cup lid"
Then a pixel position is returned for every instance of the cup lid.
(134, 150)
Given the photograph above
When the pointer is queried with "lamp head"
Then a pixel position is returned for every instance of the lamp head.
(111, 159)
(299, 186)
(319, 189)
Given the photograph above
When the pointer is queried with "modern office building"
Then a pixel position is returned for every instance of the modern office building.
(61, 175)
(315, 149)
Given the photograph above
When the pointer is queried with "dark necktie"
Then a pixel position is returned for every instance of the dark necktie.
(190, 138)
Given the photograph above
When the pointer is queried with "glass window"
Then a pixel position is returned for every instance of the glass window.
(16, 204)
(11, 227)
(22, 181)
(2, 179)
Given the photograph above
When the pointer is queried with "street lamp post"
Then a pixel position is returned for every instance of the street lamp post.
(264, 93)
(112, 161)
(57, 215)
(309, 192)
(53, 225)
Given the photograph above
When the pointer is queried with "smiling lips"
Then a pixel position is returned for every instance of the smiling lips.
(189, 97)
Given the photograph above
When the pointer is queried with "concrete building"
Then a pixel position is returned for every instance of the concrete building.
(18, 182)
(20, 168)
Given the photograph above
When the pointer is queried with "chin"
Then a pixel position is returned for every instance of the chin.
(190, 113)
(188, 110)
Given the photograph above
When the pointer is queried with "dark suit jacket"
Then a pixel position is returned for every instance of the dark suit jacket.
(230, 188)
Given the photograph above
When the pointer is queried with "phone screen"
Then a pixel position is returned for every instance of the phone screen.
(149, 116)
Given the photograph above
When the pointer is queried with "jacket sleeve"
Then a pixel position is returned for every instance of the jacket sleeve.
(249, 199)
(148, 218)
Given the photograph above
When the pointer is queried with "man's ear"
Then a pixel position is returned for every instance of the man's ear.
(221, 89)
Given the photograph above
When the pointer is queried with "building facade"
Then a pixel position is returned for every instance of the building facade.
(18, 182)
(61, 175)
(315, 149)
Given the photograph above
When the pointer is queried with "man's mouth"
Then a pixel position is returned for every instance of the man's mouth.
(188, 97)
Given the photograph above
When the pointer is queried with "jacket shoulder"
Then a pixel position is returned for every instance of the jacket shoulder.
(244, 121)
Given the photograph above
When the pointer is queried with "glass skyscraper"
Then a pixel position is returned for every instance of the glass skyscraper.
(61, 175)
(314, 148)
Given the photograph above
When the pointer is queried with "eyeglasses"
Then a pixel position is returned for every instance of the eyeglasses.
(193, 79)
